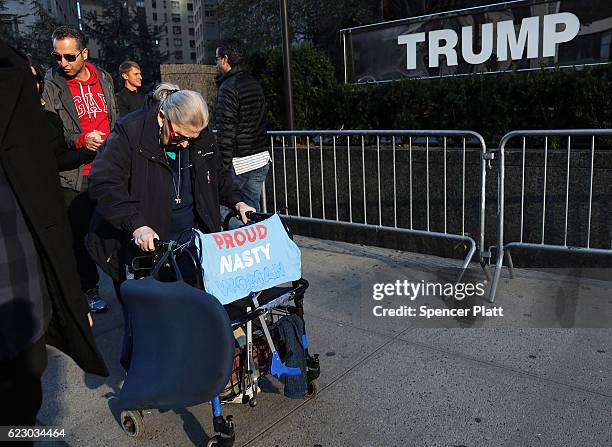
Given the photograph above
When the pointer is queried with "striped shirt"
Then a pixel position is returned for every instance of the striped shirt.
(250, 162)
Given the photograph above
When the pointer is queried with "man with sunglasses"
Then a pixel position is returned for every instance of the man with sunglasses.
(83, 97)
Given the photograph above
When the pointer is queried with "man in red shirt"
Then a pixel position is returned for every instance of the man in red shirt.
(83, 96)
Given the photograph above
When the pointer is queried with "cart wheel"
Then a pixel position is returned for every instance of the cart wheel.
(132, 423)
(313, 388)
(212, 442)
(252, 402)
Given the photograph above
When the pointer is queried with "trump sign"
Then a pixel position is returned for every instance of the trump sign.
(524, 34)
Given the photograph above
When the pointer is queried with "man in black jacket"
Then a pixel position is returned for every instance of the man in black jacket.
(240, 119)
(40, 298)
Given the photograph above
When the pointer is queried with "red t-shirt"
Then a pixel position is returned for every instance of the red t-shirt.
(91, 107)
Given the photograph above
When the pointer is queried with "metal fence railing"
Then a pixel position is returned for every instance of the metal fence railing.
(420, 182)
(570, 170)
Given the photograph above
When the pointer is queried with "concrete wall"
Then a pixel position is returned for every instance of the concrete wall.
(200, 78)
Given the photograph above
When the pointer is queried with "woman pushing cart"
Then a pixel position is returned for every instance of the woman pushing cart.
(158, 176)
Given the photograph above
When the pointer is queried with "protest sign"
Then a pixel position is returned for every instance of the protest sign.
(248, 259)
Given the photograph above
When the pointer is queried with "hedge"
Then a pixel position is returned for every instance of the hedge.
(490, 104)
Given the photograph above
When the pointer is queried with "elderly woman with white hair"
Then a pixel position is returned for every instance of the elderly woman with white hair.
(158, 174)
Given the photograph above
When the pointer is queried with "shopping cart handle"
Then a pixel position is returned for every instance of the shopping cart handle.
(162, 244)
(279, 369)
(256, 217)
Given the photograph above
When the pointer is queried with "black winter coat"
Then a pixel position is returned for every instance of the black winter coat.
(240, 117)
(132, 182)
(27, 146)
(68, 159)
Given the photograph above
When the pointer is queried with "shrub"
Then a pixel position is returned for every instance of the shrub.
(490, 104)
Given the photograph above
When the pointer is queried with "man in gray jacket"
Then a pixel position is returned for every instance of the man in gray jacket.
(83, 96)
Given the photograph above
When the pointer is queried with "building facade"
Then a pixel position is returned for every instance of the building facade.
(175, 21)
(208, 30)
(189, 30)
(86, 7)
(20, 14)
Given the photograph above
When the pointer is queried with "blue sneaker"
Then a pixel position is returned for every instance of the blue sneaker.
(95, 302)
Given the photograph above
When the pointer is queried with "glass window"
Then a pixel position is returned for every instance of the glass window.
(176, 18)
(155, 17)
(192, 44)
(176, 30)
(178, 43)
(175, 5)
(191, 32)
(178, 55)
(190, 20)
(189, 6)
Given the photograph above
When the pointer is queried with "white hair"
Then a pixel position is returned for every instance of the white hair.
(184, 107)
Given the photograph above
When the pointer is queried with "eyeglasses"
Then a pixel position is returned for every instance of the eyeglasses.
(69, 57)
(175, 137)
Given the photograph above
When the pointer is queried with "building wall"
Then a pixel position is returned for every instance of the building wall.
(175, 20)
(86, 7)
(208, 30)
(64, 11)
(189, 29)
(197, 77)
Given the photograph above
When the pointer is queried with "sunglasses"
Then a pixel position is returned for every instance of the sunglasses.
(69, 57)
(175, 137)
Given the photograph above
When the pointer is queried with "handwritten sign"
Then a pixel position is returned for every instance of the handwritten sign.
(248, 259)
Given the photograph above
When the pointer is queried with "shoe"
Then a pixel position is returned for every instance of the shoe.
(95, 302)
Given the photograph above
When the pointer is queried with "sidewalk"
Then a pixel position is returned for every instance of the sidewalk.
(392, 381)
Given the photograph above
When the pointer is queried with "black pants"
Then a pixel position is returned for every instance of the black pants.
(20, 386)
(80, 210)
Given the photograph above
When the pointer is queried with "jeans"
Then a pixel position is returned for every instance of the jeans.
(250, 184)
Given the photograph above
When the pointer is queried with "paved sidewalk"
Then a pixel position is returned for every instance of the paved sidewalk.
(393, 381)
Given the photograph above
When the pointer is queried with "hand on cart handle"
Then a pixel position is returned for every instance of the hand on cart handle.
(242, 210)
(254, 216)
(258, 217)
(144, 238)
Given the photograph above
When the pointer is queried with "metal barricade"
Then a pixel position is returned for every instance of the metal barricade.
(556, 186)
(301, 188)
